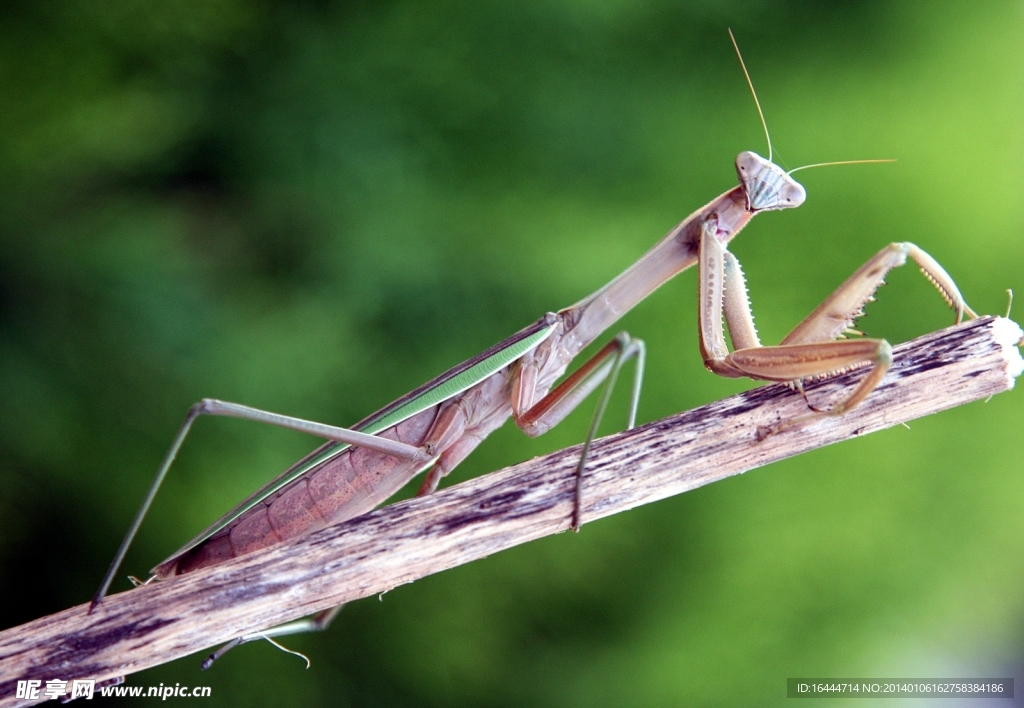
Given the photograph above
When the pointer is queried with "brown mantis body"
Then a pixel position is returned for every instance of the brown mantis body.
(436, 426)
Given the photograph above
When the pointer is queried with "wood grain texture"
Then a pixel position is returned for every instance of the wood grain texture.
(400, 543)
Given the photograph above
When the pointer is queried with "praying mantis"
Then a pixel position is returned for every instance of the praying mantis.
(433, 428)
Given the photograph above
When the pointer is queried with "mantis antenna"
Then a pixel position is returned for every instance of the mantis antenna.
(753, 92)
(764, 123)
(839, 162)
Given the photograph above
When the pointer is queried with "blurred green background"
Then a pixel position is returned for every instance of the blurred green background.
(313, 207)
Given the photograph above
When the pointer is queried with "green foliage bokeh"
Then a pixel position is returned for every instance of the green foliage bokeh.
(314, 207)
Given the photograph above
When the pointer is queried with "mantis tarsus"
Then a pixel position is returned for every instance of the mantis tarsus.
(436, 426)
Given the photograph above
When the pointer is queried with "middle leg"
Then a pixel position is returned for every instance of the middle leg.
(536, 418)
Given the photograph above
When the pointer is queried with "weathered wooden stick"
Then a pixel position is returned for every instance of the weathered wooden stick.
(397, 544)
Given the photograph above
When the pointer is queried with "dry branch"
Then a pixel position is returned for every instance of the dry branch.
(400, 543)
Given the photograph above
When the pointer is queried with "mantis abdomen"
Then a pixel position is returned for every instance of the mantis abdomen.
(343, 487)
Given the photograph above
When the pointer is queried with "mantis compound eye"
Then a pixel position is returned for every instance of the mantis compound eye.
(748, 163)
(792, 194)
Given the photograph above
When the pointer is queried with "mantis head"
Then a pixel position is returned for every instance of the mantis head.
(766, 185)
